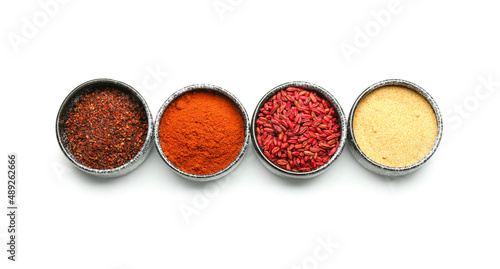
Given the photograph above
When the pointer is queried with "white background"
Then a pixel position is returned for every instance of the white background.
(445, 215)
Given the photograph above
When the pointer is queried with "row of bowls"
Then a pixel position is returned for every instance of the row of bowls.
(153, 130)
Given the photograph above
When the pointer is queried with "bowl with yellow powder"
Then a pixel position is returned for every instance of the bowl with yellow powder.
(394, 127)
(202, 132)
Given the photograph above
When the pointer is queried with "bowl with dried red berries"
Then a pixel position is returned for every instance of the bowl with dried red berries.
(298, 130)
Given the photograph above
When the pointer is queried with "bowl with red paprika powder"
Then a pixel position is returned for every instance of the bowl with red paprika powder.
(202, 132)
(105, 128)
(298, 130)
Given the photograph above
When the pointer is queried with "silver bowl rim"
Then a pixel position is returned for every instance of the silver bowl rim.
(340, 117)
(387, 170)
(124, 168)
(238, 105)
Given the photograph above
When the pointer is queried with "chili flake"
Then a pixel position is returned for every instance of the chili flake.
(106, 128)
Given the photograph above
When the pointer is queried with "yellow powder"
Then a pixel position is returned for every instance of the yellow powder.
(395, 126)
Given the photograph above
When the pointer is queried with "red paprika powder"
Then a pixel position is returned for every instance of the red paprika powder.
(201, 132)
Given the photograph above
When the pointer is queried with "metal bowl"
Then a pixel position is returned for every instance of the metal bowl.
(340, 117)
(63, 115)
(382, 169)
(237, 104)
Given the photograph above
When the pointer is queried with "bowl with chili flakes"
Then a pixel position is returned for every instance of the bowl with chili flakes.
(298, 130)
(104, 127)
